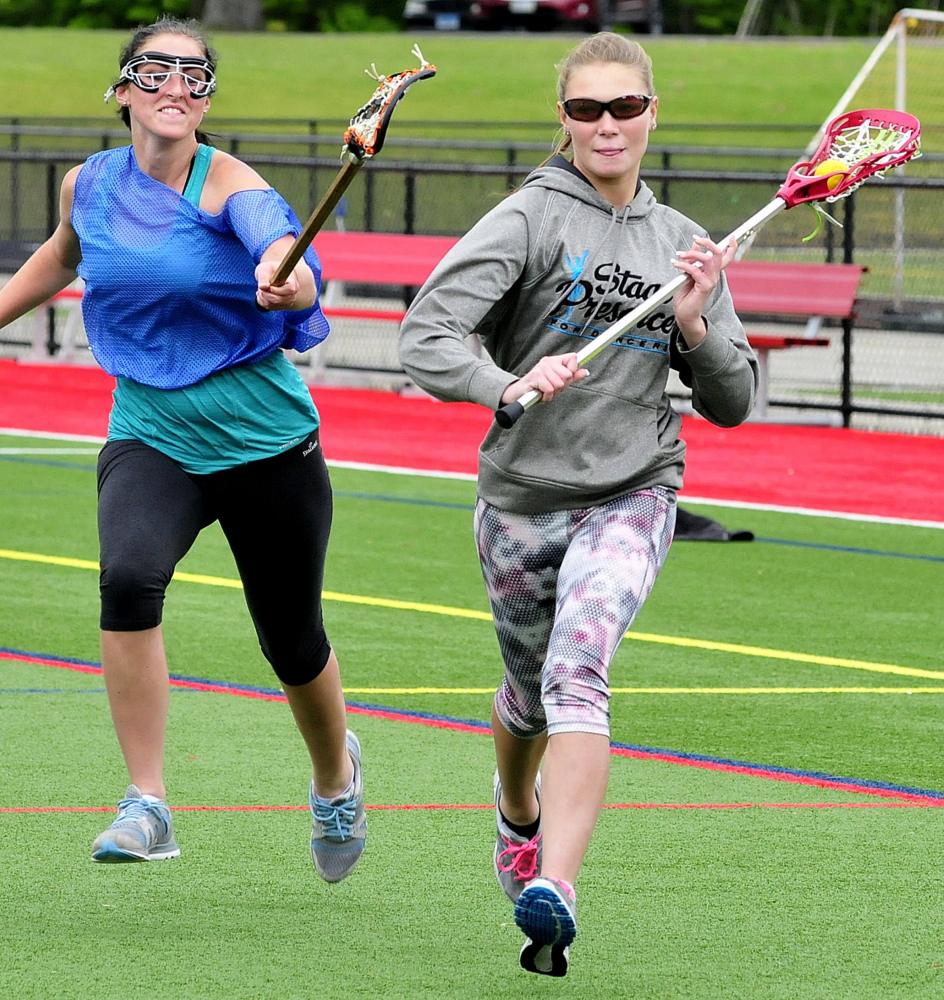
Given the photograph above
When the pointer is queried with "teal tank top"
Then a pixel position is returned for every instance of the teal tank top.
(238, 415)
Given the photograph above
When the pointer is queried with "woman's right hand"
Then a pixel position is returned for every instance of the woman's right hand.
(549, 376)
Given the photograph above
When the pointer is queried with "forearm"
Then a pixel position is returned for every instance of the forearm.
(693, 332)
(305, 296)
(41, 277)
(298, 291)
(441, 364)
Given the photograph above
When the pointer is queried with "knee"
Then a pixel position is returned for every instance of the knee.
(297, 661)
(132, 595)
(524, 718)
(576, 699)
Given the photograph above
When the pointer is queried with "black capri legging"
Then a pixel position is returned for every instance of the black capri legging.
(276, 515)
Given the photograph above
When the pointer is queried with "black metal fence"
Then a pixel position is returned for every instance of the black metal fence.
(443, 186)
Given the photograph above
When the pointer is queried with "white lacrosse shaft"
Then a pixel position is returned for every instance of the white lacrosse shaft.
(508, 415)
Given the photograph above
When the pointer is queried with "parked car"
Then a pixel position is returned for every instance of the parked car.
(443, 15)
(582, 15)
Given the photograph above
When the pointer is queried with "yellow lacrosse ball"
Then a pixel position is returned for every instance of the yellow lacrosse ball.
(829, 167)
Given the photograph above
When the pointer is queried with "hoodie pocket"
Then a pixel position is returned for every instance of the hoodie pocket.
(589, 445)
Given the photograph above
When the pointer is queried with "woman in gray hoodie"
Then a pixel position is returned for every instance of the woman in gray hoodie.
(576, 501)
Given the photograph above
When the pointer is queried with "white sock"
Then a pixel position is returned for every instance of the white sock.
(346, 794)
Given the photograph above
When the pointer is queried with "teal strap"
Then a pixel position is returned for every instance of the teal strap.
(201, 164)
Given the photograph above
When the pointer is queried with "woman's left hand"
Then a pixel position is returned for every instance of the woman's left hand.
(275, 297)
(703, 264)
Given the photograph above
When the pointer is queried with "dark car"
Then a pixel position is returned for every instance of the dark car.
(443, 15)
(582, 15)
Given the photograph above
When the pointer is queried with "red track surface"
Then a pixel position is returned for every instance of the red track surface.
(819, 468)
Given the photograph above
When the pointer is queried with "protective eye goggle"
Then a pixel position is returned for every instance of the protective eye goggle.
(151, 70)
(586, 109)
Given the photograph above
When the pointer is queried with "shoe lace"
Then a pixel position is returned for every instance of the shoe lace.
(520, 859)
(132, 810)
(337, 821)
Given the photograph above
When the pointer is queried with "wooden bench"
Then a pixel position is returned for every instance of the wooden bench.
(785, 293)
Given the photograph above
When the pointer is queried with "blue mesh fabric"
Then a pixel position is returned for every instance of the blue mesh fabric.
(170, 289)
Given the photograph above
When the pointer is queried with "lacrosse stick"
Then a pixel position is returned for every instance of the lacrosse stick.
(362, 140)
(857, 145)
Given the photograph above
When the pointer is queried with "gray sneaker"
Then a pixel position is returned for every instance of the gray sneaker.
(339, 825)
(547, 914)
(142, 831)
(517, 859)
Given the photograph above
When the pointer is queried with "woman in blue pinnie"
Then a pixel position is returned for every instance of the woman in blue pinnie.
(177, 243)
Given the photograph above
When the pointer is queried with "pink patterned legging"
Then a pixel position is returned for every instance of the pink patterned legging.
(564, 587)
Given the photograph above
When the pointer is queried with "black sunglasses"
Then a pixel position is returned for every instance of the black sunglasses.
(586, 109)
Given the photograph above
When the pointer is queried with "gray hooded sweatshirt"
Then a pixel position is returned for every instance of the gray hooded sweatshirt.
(546, 270)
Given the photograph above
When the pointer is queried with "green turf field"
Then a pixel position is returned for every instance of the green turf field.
(815, 648)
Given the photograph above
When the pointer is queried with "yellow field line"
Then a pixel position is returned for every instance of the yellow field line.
(52, 560)
(430, 609)
(782, 654)
(439, 609)
(780, 690)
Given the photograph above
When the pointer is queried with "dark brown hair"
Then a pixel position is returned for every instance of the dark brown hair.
(165, 26)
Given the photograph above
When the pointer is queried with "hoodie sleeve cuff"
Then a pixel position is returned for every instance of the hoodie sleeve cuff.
(487, 385)
(710, 355)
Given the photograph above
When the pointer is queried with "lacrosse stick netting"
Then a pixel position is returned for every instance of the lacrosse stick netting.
(857, 145)
(368, 129)
(867, 143)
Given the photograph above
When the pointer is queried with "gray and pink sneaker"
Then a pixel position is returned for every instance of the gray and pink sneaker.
(546, 912)
(517, 859)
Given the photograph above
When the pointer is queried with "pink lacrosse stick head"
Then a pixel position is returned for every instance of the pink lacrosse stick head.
(864, 143)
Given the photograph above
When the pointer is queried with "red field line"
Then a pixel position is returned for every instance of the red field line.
(457, 725)
(414, 807)
(775, 775)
